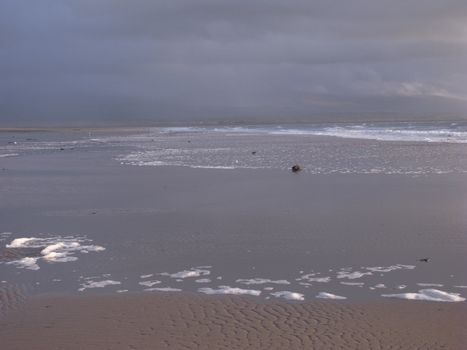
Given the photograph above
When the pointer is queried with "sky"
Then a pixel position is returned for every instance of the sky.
(122, 61)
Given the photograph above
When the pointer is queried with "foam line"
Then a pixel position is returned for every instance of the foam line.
(289, 295)
(429, 295)
(229, 290)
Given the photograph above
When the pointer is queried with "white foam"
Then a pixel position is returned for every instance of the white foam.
(352, 275)
(194, 272)
(20, 242)
(289, 295)
(60, 251)
(429, 295)
(220, 167)
(146, 276)
(430, 284)
(122, 290)
(390, 268)
(305, 284)
(325, 295)
(460, 286)
(203, 280)
(358, 284)
(97, 284)
(380, 286)
(162, 289)
(180, 129)
(312, 277)
(395, 132)
(382, 133)
(261, 281)
(320, 279)
(5, 155)
(25, 263)
(55, 249)
(149, 283)
(229, 290)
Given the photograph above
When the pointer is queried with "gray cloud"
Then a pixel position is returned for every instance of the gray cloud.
(105, 60)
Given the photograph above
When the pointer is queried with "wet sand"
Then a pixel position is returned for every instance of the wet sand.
(185, 321)
(245, 224)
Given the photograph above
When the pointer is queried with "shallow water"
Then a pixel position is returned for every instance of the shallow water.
(382, 149)
(196, 210)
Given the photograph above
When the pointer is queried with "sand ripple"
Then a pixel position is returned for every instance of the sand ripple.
(11, 296)
(230, 322)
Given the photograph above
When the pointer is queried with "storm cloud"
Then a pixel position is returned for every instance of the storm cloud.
(142, 60)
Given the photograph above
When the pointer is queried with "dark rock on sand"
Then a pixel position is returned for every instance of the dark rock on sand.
(296, 168)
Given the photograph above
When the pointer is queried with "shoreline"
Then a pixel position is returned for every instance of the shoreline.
(220, 123)
(116, 129)
(185, 320)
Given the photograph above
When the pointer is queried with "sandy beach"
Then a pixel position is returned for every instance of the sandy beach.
(163, 321)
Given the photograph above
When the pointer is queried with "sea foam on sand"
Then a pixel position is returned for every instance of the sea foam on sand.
(54, 249)
(203, 280)
(162, 289)
(390, 268)
(429, 295)
(149, 283)
(229, 290)
(313, 277)
(352, 275)
(430, 284)
(194, 272)
(98, 284)
(325, 295)
(261, 281)
(357, 284)
(289, 295)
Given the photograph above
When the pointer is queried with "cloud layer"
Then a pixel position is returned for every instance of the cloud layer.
(118, 60)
